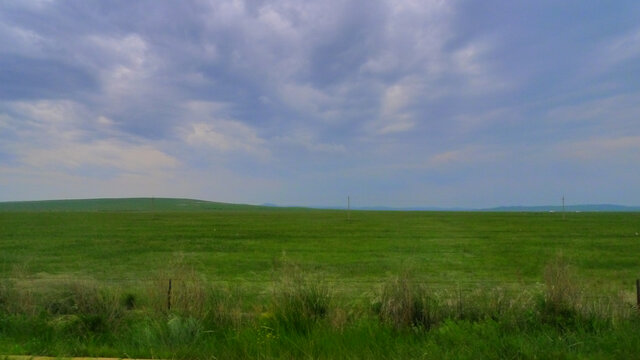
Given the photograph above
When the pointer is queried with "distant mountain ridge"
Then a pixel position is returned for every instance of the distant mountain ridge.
(570, 208)
(178, 204)
(541, 208)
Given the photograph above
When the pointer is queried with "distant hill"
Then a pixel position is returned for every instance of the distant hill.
(569, 208)
(543, 208)
(125, 204)
(172, 204)
(413, 208)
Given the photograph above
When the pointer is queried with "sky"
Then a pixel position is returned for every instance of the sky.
(393, 103)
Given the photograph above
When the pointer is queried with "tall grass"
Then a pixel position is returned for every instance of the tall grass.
(565, 301)
(299, 301)
(561, 295)
(405, 303)
(302, 317)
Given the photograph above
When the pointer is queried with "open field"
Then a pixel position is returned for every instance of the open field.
(239, 245)
(234, 270)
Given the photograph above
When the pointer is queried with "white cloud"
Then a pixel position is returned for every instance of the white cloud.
(613, 116)
(29, 183)
(394, 116)
(617, 109)
(105, 121)
(467, 155)
(308, 142)
(47, 121)
(130, 50)
(206, 124)
(64, 134)
(225, 136)
(312, 102)
(381, 64)
(622, 48)
(478, 77)
(18, 40)
(471, 122)
(304, 97)
(125, 65)
(201, 109)
(470, 155)
(109, 153)
(4, 121)
(395, 98)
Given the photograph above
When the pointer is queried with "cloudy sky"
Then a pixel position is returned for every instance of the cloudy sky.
(396, 103)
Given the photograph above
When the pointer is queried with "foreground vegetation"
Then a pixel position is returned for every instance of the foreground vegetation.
(314, 284)
(303, 318)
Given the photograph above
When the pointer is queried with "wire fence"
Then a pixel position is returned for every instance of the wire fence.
(348, 288)
(186, 292)
(264, 280)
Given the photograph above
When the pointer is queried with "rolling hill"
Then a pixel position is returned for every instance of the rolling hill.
(125, 204)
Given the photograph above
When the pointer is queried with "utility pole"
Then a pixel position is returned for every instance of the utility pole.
(563, 206)
(348, 207)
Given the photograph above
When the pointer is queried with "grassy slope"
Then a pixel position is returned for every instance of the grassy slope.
(124, 205)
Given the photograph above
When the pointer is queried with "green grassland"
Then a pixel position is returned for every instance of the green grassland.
(236, 268)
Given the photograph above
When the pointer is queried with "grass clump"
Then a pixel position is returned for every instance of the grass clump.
(7, 294)
(561, 295)
(83, 306)
(405, 303)
(299, 301)
(191, 296)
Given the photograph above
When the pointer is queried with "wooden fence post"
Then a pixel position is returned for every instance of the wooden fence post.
(169, 297)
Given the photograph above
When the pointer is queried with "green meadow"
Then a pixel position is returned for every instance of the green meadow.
(92, 278)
